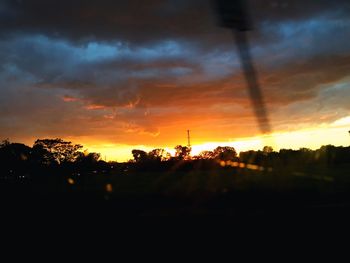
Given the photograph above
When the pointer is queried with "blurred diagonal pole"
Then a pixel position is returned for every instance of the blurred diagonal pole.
(233, 14)
(252, 81)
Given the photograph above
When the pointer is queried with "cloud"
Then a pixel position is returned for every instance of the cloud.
(148, 21)
(131, 71)
(105, 19)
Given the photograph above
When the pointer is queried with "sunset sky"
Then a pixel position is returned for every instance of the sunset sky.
(119, 75)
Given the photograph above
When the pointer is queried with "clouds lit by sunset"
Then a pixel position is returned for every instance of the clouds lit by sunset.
(119, 75)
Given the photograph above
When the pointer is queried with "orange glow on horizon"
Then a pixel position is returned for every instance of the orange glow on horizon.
(313, 138)
(336, 133)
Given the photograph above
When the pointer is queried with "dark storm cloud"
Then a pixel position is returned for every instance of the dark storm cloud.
(105, 19)
(150, 20)
(137, 66)
(292, 10)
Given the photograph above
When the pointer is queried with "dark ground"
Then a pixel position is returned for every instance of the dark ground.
(321, 191)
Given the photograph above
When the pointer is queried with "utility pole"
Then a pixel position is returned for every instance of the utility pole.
(188, 139)
(233, 14)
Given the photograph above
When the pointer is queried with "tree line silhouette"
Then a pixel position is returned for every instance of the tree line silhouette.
(19, 161)
(54, 171)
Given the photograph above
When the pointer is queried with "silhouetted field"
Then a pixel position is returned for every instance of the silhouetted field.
(214, 183)
(185, 191)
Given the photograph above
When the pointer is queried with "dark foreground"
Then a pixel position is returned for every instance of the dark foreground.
(225, 191)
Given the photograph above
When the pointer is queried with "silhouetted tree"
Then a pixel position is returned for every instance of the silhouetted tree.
(182, 152)
(88, 161)
(86, 157)
(206, 155)
(248, 156)
(159, 155)
(225, 153)
(14, 158)
(139, 155)
(14, 152)
(267, 149)
(306, 155)
(327, 154)
(4, 143)
(56, 150)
